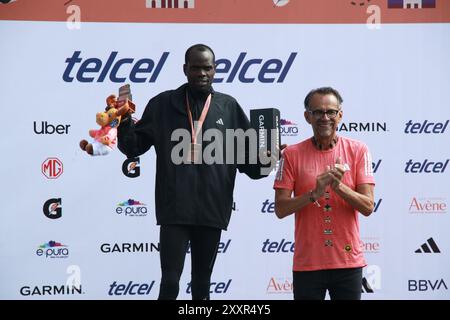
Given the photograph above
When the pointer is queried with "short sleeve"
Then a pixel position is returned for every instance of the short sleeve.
(364, 171)
(285, 177)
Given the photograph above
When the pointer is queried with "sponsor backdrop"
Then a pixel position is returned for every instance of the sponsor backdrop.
(80, 227)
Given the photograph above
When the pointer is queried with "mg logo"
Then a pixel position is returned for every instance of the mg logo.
(52, 168)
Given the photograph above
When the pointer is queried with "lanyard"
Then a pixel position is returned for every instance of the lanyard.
(202, 117)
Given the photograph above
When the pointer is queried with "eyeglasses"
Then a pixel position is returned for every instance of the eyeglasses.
(331, 114)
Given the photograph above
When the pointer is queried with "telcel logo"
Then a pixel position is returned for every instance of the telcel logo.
(221, 248)
(93, 69)
(376, 165)
(426, 127)
(268, 207)
(214, 287)
(130, 289)
(266, 72)
(275, 246)
(425, 166)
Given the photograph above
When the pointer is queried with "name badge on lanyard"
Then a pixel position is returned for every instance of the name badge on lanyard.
(195, 151)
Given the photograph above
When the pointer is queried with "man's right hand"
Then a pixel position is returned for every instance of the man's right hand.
(322, 181)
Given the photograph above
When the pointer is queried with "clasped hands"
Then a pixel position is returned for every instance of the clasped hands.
(332, 176)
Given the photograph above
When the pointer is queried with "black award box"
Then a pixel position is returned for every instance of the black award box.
(266, 122)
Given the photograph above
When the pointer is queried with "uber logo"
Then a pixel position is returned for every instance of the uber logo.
(45, 128)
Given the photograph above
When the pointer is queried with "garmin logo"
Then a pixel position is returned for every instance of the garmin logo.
(363, 127)
(262, 133)
(129, 247)
(51, 290)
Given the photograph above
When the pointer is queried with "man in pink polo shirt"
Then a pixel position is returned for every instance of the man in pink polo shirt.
(332, 181)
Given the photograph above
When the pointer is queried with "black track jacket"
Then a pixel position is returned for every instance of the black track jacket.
(191, 194)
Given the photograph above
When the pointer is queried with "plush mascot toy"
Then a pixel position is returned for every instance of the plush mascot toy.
(105, 138)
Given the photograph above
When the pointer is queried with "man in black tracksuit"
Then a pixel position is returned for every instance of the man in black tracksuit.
(193, 201)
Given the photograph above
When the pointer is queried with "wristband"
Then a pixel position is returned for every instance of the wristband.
(311, 198)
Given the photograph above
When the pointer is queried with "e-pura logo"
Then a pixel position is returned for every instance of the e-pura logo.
(53, 249)
(132, 208)
(288, 128)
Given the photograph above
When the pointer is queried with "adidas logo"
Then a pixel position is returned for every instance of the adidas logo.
(428, 247)
(220, 121)
(366, 288)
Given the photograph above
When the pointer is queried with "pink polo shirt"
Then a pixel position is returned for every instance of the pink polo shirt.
(325, 240)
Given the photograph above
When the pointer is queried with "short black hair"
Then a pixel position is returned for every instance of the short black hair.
(322, 91)
(198, 47)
